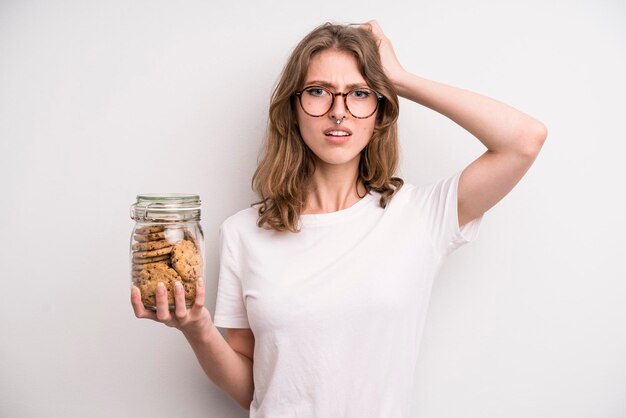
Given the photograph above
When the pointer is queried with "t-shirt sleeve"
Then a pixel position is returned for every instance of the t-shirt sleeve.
(441, 211)
(230, 310)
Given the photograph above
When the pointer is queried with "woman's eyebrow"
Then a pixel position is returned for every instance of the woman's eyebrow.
(327, 84)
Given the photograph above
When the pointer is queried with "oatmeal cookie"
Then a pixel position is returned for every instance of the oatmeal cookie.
(137, 260)
(186, 260)
(152, 253)
(190, 292)
(190, 237)
(142, 266)
(149, 229)
(148, 279)
(173, 234)
(151, 245)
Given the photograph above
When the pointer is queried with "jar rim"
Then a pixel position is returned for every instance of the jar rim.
(168, 196)
(158, 207)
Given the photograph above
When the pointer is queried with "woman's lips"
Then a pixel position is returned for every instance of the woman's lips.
(337, 134)
(335, 139)
(337, 129)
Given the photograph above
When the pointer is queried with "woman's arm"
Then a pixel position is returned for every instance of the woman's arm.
(513, 139)
(498, 126)
(228, 369)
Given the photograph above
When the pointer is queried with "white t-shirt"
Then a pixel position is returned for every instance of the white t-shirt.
(338, 309)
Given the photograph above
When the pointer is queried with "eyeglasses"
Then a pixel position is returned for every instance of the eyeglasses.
(317, 101)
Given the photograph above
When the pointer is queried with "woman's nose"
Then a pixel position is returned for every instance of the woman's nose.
(338, 110)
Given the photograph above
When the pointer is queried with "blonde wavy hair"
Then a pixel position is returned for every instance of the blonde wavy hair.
(283, 176)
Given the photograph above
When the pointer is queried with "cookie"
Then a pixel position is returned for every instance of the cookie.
(151, 272)
(149, 229)
(152, 253)
(173, 234)
(186, 260)
(190, 292)
(166, 253)
(142, 266)
(149, 237)
(190, 237)
(150, 259)
(151, 245)
(138, 279)
(148, 279)
(148, 294)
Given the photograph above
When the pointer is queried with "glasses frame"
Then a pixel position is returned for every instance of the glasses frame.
(379, 97)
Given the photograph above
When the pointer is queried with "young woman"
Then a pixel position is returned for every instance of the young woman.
(324, 285)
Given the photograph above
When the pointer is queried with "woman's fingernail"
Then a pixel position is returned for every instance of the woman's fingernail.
(160, 287)
(178, 286)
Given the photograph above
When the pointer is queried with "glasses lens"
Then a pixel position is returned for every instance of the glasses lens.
(361, 102)
(317, 101)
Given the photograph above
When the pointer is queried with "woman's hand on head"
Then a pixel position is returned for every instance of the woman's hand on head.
(193, 320)
(390, 62)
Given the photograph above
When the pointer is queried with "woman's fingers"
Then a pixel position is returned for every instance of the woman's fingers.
(138, 308)
(199, 302)
(179, 300)
(367, 25)
(163, 307)
(391, 64)
(375, 29)
(182, 316)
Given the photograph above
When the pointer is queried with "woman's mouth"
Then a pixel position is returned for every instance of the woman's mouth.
(337, 131)
(337, 135)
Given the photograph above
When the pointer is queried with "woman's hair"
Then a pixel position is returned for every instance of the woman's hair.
(283, 176)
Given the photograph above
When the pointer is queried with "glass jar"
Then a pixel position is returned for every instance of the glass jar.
(166, 245)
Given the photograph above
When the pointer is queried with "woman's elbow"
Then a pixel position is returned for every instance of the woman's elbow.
(541, 132)
(533, 138)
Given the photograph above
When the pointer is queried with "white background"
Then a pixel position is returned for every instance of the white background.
(100, 101)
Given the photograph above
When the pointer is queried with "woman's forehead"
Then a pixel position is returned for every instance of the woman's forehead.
(333, 68)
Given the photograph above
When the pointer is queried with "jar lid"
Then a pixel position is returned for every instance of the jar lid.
(155, 207)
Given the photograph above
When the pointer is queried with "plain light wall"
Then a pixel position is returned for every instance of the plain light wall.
(100, 101)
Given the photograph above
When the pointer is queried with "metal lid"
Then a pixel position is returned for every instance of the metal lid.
(158, 207)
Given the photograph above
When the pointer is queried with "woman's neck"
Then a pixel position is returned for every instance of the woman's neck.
(331, 192)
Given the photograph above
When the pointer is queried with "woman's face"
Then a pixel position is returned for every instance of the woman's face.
(336, 70)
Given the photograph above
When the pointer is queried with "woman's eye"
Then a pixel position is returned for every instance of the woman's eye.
(316, 91)
(361, 94)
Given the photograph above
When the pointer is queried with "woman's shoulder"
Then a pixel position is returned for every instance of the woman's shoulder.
(430, 191)
(417, 194)
(241, 219)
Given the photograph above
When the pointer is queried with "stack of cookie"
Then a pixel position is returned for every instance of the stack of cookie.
(167, 254)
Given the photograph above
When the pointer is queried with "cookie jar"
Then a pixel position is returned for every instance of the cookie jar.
(166, 245)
